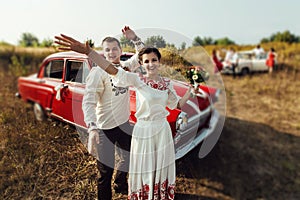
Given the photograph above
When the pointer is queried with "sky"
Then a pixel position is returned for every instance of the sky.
(243, 21)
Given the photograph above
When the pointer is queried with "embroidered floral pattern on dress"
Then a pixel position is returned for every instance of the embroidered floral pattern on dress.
(162, 191)
(159, 85)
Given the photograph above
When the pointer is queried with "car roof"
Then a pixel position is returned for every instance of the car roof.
(67, 54)
(246, 52)
(73, 54)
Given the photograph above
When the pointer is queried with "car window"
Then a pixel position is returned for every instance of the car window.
(76, 71)
(263, 56)
(245, 56)
(54, 69)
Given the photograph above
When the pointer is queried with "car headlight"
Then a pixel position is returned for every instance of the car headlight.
(195, 77)
(181, 122)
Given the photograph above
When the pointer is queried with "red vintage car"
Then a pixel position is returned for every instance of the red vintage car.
(57, 90)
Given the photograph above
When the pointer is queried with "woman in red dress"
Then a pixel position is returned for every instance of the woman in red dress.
(218, 64)
(271, 60)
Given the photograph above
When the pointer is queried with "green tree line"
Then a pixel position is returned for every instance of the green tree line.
(285, 36)
(30, 40)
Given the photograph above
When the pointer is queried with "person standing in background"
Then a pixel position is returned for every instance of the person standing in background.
(270, 62)
(234, 62)
(231, 60)
(258, 51)
(228, 56)
(218, 63)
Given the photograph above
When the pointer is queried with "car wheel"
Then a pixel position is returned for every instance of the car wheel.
(244, 71)
(38, 112)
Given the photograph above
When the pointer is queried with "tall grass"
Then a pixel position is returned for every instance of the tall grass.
(22, 60)
(40, 160)
(47, 160)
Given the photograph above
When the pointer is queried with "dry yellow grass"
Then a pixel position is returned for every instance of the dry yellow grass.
(257, 156)
(264, 98)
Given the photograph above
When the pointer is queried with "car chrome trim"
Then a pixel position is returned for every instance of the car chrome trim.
(192, 127)
(194, 106)
(204, 133)
(181, 121)
(63, 119)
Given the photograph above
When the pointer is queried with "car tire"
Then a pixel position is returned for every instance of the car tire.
(245, 71)
(39, 112)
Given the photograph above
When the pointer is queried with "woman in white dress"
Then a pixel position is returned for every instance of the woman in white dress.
(152, 172)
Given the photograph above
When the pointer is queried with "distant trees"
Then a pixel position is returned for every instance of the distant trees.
(224, 41)
(46, 43)
(183, 46)
(125, 42)
(285, 36)
(198, 41)
(156, 41)
(159, 42)
(30, 40)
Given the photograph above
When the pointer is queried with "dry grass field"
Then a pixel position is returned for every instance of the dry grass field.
(256, 157)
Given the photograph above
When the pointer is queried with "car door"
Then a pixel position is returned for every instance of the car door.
(259, 64)
(72, 91)
(50, 76)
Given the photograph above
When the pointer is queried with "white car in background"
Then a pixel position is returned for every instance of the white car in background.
(247, 63)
